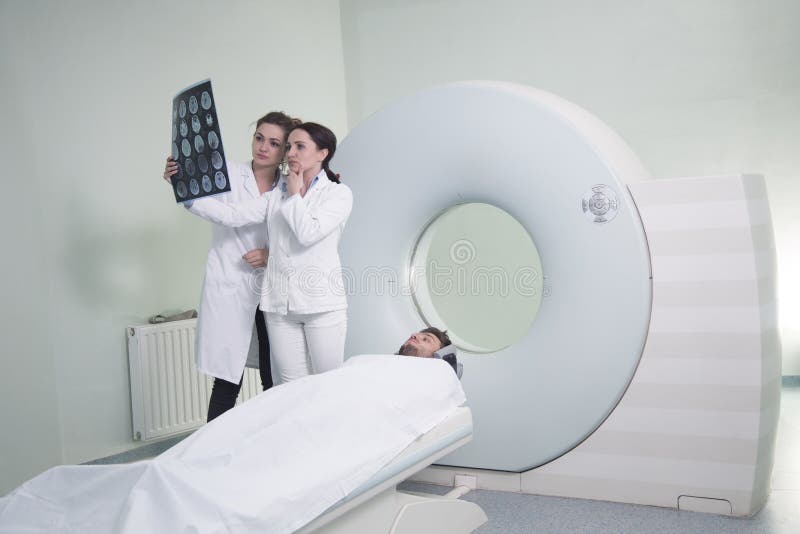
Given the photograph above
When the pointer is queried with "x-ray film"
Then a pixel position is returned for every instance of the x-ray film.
(196, 140)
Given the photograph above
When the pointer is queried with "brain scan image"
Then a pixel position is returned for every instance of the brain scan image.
(197, 144)
(213, 140)
(220, 180)
(216, 160)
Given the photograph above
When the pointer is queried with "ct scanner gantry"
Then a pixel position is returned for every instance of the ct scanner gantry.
(638, 362)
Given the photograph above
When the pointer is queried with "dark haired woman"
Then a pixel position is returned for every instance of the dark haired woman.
(229, 300)
(303, 293)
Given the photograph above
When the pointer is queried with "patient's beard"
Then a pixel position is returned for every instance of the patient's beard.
(408, 350)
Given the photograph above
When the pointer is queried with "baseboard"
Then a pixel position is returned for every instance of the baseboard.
(790, 381)
(139, 453)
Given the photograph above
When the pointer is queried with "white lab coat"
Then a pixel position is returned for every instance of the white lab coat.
(304, 271)
(225, 321)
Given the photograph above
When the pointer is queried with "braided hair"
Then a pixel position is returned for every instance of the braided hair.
(324, 138)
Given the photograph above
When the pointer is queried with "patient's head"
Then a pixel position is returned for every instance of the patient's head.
(424, 343)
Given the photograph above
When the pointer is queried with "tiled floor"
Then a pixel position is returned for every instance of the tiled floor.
(512, 513)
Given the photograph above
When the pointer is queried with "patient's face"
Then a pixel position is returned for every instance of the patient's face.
(420, 344)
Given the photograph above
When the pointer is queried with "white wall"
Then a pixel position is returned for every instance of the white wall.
(96, 243)
(695, 86)
(30, 439)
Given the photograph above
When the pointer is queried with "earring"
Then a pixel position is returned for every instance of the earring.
(283, 167)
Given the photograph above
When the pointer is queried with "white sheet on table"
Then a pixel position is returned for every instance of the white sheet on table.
(270, 465)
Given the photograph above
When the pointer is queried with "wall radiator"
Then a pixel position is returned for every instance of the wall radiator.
(168, 395)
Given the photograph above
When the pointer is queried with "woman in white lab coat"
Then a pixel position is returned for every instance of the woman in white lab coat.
(229, 301)
(303, 294)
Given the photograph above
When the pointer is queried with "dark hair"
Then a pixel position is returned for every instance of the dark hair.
(281, 119)
(442, 336)
(324, 138)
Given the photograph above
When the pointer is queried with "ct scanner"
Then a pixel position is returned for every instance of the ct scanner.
(618, 333)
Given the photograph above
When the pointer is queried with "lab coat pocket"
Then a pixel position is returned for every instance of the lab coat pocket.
(225, 287)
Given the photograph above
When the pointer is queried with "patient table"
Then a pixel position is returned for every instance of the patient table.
(376, 506)
(323, 453)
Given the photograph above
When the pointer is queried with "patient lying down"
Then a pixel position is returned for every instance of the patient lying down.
(271, 465)
(429, 343)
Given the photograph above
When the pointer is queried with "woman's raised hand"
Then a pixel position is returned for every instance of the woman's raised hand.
(294, 182)
(170, 169)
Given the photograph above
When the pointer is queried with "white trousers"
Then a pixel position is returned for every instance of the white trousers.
(305, 343)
